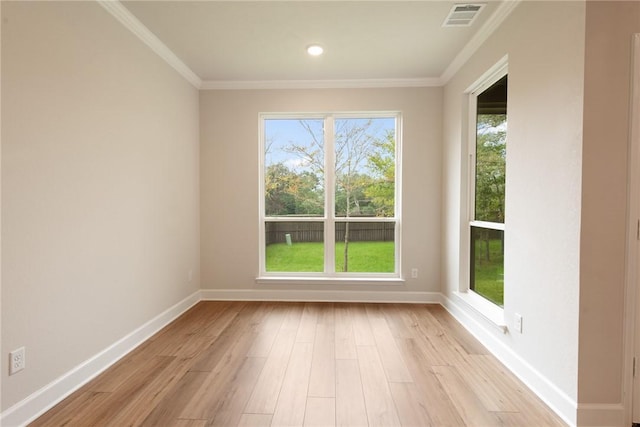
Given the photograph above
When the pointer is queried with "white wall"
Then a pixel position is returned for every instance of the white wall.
(229, 180)
(100, 192)
(544, 42)
(610, 26)
(102, 182)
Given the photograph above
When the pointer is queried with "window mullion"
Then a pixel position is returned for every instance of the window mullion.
(329, 182)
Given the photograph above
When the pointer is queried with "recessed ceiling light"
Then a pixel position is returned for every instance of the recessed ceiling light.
(315, 50)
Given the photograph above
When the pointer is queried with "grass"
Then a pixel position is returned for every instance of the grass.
(299, 257)
(489, 274)
(364, 257)
(378, 257)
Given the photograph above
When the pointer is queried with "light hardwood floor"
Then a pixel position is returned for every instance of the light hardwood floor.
(306, 364)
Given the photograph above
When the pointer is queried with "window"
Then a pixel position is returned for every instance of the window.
(487, 190)
(329, 195)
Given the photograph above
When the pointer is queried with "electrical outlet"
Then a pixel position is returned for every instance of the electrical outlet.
(16, 361)
(517, 322)
(414, 273)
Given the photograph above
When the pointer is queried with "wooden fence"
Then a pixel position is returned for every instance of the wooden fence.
(275, 232)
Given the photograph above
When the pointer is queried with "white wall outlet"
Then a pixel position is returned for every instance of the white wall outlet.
(517, 322)
(16, 361)
(414, 273)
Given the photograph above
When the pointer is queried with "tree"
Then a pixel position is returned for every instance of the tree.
(490, 167)
(382, 164)
(278, 199)
(309, 194)
(359, 201)
(490, 172)
(355, 144)
(291, 193)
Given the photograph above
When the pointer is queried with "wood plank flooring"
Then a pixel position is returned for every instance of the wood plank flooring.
(306, 364)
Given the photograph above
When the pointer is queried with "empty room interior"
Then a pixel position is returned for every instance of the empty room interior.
(314, 212)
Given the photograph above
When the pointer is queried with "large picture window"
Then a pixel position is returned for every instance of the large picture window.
(487, 201)
(329, 195)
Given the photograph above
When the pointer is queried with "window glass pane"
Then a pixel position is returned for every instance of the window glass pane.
(294, 167)
(365, 247)
(294, 246)
(487, 263)
(365, 167)
(361, 156)
(491, 149)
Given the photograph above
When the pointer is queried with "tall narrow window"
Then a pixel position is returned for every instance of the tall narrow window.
(330, 195)
(487, 222)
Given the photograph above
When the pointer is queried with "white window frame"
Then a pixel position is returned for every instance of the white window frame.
(330, 219)
(490, 311)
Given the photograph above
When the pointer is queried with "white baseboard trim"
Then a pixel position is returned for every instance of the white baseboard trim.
(563, 405)
(308, 295)
(27, 410)
(42, 400)
(595, 414)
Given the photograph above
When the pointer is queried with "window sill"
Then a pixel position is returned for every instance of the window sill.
(491, 312)
(298, 280)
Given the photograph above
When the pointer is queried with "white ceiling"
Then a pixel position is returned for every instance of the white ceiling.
(265, 41)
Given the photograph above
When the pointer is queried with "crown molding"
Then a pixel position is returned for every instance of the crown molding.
(319, 84)
(489, 27)
(126, 18)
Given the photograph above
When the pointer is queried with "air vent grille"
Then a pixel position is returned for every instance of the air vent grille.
(463, 15)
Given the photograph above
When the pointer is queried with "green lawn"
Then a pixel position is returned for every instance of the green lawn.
(378, 257)
(364, 257)
(489, 274)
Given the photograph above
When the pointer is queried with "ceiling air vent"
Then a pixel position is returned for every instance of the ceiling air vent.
(462, 15)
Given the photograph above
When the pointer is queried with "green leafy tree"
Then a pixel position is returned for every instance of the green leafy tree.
(278, 199)
(490, 168)
(359, 202)
(382, 164)
(308, 193)
(490, 172)
(290, 193)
